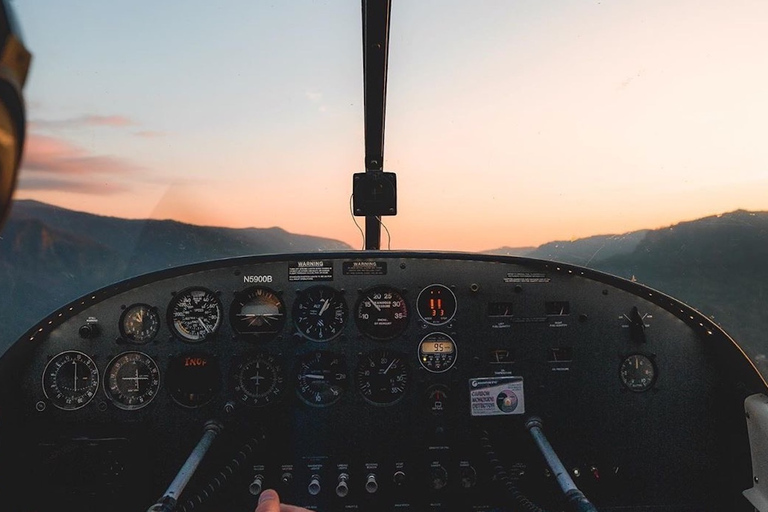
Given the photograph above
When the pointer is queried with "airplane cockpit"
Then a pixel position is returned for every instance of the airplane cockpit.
(374, 380)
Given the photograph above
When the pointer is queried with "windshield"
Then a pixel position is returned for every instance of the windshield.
(621, 136)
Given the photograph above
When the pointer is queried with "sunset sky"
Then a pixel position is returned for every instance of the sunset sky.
(509, 122)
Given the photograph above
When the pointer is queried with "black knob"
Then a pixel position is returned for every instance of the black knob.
(88, 331)
(438, 477)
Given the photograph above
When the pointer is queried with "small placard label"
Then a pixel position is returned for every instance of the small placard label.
(315, 270)
(364, 268)
(496, 396)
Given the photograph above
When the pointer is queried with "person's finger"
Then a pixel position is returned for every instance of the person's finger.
(269, 501)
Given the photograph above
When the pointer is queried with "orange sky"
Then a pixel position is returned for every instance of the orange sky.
(534, 122)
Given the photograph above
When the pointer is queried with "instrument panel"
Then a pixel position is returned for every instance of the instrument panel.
(380, 381)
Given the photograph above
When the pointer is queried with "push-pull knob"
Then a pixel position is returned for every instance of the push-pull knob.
(314, 485)
(342, 488)
(371, 485)
(257, 485)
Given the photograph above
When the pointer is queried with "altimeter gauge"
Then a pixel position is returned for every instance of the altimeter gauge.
(320, 313)
(139, 323)
(70, 380)
(382, 377)
(258, 313)
(194, 315)
(132, 380)
(258, 380)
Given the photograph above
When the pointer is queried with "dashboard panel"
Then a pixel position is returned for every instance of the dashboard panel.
(376, 381)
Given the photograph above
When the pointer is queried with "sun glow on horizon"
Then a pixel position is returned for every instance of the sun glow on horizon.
(624, 116)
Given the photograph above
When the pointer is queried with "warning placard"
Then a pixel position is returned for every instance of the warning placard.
(496, 396)
(316, 270)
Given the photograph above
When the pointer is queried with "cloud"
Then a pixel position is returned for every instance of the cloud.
(50, 163)
(82, 122)
(95, 187)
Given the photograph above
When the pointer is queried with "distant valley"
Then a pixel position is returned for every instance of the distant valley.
(50, 256)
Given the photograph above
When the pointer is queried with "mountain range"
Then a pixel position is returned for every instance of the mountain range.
(50, 256)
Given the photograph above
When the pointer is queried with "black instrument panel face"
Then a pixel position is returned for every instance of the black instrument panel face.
(390, 370)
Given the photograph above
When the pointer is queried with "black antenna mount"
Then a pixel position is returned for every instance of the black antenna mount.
(375, 191)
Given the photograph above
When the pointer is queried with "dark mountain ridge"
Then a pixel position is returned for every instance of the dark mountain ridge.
(51, 255)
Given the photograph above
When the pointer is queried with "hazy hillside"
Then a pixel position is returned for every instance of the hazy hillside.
(716, 264)
(50, 255)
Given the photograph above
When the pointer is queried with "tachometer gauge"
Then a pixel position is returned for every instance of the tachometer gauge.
(193, 379)
(322, 378)
(257, 312)
(637, 372)
(437, 352)
(382, 377)
(131, 380)
(70, 380)
(436, 304)
(320, 313)
(258, 380)
(194, 315)
(381, 313)
(139, 323)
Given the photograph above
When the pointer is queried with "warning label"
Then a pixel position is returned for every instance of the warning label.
(496, 396)
(318, 270)
(364, 268)
(526, 277)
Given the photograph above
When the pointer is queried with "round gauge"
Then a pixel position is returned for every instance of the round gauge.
(381, 313)
(258, 380)
(637, 372)
(320, 313)
(194, 315)
(139, 323)
(131, 380)
(322, 378)
(437, 352)
(193, 379)
(257, 312)
(70, 380)
(382, 377)
(436, 304)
